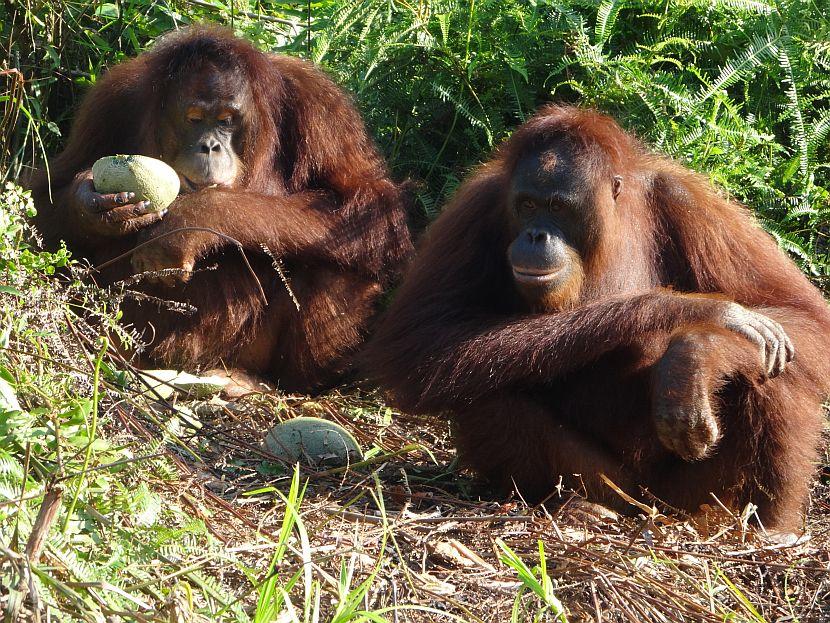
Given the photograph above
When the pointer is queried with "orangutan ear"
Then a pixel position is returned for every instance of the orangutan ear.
(617, 187)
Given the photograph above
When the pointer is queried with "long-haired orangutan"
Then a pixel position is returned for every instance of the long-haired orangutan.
(583, 308)
(270, 153)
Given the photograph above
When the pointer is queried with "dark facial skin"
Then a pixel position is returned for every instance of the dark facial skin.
(205, 128)
(552, 212)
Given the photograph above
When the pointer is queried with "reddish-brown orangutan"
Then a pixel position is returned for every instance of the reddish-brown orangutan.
(269, 153)
(583, 307)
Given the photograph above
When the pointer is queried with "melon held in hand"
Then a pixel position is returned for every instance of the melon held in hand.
(150, 179)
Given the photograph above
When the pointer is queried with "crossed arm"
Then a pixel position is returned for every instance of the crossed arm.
(477, 356)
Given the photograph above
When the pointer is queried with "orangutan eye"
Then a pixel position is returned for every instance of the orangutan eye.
(528, 205)
(194, 115)
(225, 118)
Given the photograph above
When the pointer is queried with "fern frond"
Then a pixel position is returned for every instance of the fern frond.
(818, 133)
(785, 56)
(606, 17)
(742, 66)
(463, 108)
(748, 6)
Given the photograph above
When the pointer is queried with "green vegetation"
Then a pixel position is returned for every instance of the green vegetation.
(739, 89)
(169, 510)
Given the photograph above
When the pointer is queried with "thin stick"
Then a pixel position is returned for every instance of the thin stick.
(45, 518)
(337, 512)
(34, 545)
(277, 264)
(92, 428)
(234, 241)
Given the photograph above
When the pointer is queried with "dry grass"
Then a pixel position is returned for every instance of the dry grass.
(430, 540)
(443, 528)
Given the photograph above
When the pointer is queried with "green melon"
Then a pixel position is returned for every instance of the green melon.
(313, 440)
(148, 178)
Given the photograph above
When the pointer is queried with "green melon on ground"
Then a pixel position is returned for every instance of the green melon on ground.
(313, 440)
(150, 179)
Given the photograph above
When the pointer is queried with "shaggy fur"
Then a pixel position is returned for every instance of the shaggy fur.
(566, 390)
(315, 192)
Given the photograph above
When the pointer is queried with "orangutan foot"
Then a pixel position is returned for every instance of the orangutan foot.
(240, 383)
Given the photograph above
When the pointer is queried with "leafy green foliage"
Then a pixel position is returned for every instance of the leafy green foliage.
(535, 581)
(50, 442)
(735, 88)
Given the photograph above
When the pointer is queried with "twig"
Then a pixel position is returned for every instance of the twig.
(370, 461)
(45, 519)
(234, 241)
(92, 428)
(34, 546)
(428, 520)
(277, 264)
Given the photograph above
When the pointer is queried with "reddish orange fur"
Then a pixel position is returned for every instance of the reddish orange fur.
(536, 396)
(313, 189)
